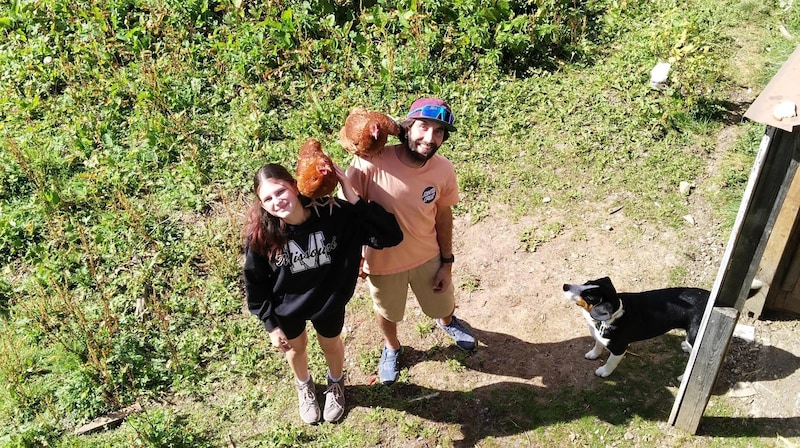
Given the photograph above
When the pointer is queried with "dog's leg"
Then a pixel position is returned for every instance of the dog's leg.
(595, 352)
(686, 346)
(612, 363)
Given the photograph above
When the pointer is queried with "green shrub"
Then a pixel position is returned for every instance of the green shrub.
(159, 427)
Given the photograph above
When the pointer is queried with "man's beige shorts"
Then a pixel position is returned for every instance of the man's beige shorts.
(389, 292)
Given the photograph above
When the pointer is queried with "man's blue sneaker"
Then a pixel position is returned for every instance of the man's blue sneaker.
(389, 367)
(463, 336)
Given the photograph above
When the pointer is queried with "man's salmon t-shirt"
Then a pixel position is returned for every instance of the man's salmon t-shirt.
(413, 195)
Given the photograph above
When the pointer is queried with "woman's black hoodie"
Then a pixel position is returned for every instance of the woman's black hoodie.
(318, 267)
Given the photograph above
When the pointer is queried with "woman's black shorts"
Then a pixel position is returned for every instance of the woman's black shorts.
(328, 326)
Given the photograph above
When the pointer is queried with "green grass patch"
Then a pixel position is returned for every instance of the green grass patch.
(129, 132)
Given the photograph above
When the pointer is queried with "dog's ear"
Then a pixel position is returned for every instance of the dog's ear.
(602, 311)
(606, 284)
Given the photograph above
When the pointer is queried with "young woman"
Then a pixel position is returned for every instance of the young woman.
(300, 266)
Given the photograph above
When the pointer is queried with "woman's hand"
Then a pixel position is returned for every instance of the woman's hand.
(278, 338)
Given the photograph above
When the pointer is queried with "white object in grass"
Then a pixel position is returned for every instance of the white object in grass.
(659, 73)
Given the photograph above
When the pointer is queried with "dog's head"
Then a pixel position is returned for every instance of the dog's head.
(598, 297)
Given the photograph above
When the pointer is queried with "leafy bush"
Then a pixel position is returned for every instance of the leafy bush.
(158, 427)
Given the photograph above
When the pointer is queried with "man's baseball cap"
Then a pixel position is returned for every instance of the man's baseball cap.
(433, 109)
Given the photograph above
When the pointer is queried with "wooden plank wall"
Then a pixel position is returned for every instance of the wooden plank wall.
(780, 266)
(770, 180)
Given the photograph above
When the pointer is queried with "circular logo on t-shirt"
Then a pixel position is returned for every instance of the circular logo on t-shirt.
(429, 194)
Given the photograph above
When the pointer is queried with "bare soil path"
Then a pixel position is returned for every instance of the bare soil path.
(531, 337)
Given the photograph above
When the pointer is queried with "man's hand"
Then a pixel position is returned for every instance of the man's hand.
(444, 276)
(361, 272)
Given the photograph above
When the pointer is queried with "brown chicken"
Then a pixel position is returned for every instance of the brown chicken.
(316, 177)
(365, 132)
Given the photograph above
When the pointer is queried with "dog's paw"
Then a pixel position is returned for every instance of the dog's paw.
(680, 379)
(602, 371)
(686, 347)
(593, 354)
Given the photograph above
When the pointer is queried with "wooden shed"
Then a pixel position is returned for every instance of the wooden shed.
(779, 269)
(770, 202)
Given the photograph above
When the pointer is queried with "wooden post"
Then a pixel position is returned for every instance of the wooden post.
(780, 268)
(720, 328)
(778, 259)
(770, 178)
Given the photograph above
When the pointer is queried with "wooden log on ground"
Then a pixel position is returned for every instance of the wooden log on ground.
(108, 421)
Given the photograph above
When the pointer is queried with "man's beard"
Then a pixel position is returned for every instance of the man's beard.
(414, 155)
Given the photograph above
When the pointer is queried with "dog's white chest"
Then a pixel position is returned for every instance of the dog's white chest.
(596, 333)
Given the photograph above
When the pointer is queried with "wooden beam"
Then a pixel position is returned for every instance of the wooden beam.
(789, 283)
(770, 178)
(780, 251)
(700, 378)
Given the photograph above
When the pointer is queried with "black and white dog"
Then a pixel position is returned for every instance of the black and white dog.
(617, 319)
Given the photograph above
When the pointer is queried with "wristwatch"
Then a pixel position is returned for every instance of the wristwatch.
(450, 259)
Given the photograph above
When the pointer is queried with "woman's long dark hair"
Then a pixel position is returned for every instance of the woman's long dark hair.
(263, 232)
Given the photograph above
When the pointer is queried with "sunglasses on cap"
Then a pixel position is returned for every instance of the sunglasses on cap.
(440, 113)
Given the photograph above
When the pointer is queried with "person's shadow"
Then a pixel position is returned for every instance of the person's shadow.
(549, 383)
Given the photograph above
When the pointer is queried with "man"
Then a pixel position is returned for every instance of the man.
(420, 188)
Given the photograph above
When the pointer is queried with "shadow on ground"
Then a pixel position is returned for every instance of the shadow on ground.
(550, 383)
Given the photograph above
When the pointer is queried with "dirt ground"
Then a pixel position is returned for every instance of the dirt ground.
(513, 298)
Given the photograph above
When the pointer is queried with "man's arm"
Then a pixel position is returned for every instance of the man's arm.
(444, 236)
(444, 230)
